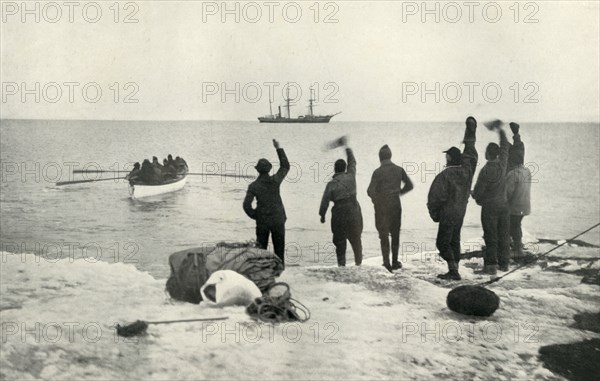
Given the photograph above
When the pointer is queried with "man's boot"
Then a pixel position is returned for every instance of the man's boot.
(396, 264)
(385, 252)
(386, 263)
(488, 270)
(518, 251)
(452, 273)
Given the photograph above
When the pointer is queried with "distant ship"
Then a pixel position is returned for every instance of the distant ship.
(309, 118)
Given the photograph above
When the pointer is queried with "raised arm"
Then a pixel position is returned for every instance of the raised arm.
(469, 155)
(284, 164)
(351, 161)
(518, 148)
(504, 147)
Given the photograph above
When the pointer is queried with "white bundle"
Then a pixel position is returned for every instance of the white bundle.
(227, 287)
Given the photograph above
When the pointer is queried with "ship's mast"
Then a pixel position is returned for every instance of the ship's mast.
(270, 103)
(310, 102)
(287, 100)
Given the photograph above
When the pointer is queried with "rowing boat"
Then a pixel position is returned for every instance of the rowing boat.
(140, 190)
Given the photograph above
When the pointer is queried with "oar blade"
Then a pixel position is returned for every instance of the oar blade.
(60, 183)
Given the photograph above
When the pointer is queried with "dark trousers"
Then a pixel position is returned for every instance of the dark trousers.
(495, 224)
(448, 243)
(515, 230)
(277, 232)
(347, 224)
(517, 235)
(388, 219)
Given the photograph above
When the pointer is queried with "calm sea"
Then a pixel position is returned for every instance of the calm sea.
(100, 221)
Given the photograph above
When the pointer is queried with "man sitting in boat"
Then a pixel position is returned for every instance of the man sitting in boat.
(180, 164)
(155, 163)
(169, 170)
(171, 161)
(147, 174)
(134, 172)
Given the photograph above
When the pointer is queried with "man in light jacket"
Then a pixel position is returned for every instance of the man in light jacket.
(346, 215)
(518, 190)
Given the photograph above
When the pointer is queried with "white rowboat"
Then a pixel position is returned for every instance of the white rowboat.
(147, 190)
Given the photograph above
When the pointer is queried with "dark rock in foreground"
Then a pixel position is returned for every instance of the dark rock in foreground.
(576, 361)
(473, 300)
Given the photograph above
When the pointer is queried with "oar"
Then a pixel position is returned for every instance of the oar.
(85, 181)
(97, 171)
(222, 174)
(140, 326)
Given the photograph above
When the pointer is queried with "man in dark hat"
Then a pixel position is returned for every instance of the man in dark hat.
(448, 198)
(180, 165)
(518, 190)
(158, 168)
(169, 171)
(385, 190)
(346, 215)
(490, 193)
(269, 212)
(134, 172)
(170, 160)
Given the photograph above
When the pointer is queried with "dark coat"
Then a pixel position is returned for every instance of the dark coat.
(449, 192)
(269, 206)
(490, 188)
(386, 183)
(148, 174)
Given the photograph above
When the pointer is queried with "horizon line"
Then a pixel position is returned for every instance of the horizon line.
(248, 120)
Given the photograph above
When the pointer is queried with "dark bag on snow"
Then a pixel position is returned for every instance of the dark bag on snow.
(188, 274)
(191, 268)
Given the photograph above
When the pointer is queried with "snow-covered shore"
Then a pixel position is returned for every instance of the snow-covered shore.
(58, 317)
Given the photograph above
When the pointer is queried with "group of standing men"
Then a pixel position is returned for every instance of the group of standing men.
(502, 189)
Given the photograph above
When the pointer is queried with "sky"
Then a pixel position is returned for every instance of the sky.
(370, 60)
